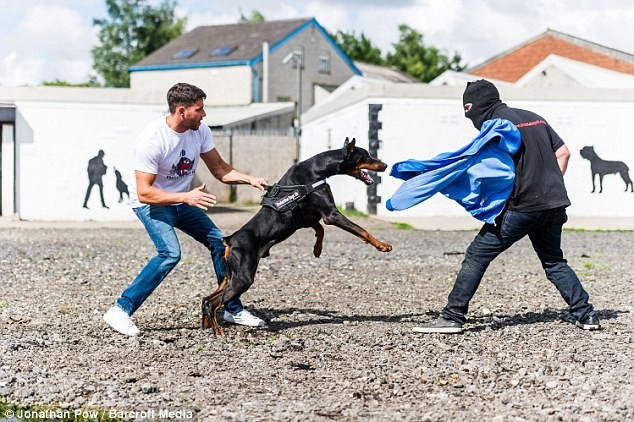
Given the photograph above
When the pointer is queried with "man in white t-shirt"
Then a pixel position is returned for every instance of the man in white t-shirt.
(165, 159)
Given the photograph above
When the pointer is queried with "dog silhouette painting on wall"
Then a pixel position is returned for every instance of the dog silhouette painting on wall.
(603, 167)
(121, 185)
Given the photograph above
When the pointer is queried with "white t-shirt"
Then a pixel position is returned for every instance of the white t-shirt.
(172, 156)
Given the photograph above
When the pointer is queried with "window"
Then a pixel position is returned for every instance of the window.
(185, 54)
(324, 62)
(223, 51)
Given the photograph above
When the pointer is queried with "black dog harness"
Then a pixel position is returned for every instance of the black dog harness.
(285, 198)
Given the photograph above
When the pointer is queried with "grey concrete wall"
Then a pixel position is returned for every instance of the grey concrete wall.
(263, 156)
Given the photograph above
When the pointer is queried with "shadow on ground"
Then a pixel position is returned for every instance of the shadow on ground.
(321, 317)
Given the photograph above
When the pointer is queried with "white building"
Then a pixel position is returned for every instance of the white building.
(49, 135)
(419, 121)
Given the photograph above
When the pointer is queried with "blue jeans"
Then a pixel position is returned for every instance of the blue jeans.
(160, 221)
(544, 230)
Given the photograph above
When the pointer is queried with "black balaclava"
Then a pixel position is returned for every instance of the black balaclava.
(485, 97)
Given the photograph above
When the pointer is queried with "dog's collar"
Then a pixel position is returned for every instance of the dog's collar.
(282, 198)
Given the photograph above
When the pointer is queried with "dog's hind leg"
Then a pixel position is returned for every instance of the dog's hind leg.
(210, 306)
(214, 301)
(241, 267)
(245, 264)
(626, 178)
(319, 234)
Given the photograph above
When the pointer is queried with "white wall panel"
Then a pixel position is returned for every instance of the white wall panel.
(420, 128)
(55, 142)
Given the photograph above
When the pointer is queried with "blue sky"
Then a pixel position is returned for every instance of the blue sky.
(43, 40)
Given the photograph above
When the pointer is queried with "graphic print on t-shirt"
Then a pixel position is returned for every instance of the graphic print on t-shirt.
(184, 167)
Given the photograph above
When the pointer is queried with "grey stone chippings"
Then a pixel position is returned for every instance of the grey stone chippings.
(338, 343)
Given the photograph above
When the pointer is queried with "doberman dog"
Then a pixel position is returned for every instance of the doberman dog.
(603, 167)
(306, 200)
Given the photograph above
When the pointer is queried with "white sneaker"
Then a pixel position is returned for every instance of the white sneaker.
(243, 317)
(120, 321)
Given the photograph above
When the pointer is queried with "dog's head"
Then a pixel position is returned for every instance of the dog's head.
(587, 152)
(356, 160)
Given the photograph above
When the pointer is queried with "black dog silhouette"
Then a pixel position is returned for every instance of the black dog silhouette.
(603, 167)
(121, 186)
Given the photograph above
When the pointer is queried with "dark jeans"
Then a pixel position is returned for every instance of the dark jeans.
(160, 221)
(544, 230)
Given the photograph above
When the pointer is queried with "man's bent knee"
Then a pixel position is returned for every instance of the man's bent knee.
(171, 257)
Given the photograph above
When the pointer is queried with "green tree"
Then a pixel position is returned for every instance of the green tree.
(92, 82)
(358, 48)
(133, 30)
(423, 62)
(255, 17)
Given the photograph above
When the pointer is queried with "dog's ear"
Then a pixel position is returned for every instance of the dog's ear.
(348, 147)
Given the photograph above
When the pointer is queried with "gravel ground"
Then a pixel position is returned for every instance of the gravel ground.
(338, 344)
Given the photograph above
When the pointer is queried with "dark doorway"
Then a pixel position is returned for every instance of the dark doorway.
(1, 169)
(7, 116)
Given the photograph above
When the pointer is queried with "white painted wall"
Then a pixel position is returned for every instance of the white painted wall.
(223, 85)
(420, 128)
(58, 130)
(603, 125)
(54, 143)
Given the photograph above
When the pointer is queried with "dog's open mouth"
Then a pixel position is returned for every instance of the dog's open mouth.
(365, 177)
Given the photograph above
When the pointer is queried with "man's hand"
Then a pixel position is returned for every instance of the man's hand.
(198, 198)
(258, 182)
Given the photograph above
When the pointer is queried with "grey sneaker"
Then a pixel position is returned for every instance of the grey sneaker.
(442, 325)
(589, 322)
(243, 317)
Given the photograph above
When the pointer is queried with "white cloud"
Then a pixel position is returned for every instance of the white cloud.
(59, 31)
(50, 42)
(43, 40)
(16, 72)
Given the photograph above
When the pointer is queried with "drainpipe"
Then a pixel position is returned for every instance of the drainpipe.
(265, 72)
(233, 191)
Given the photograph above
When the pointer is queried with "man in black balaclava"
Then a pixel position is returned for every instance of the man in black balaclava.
(484, 99)
(536, 208)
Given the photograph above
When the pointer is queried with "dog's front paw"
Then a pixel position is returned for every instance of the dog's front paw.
(384, 247)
